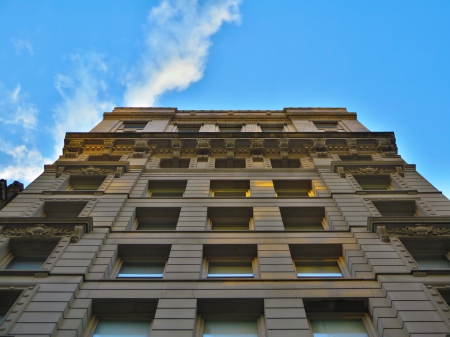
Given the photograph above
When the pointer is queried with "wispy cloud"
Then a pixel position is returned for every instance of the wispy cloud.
(15, 108)
(21, 45)
(177, 44)
(25, 164)
(82, 92)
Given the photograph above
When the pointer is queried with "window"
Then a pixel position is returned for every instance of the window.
(230, 188)
(290, 163)
(141, 261)
(230, 261)
(230, 218)
(430, 252)
(236, 128)
(108, 328)
(293, 188)
(357, 157)
(326, 126)
(276, 128)
(303, 218)
(122, 317)
(85, 182)
(168, 163)
(63, 209)
(224, 163)
(28, 253)
(230, 317)
(166, 188)
(157, 218)
(374, 181)
(104, 158)
(314, 268)
(339, 318)
(134, 125)
(9, 297)
(188, 129)
(318, 260)
(395, 207)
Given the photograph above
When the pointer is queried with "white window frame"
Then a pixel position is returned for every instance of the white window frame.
(93, 322)
(365, 317)
(205, 268)
(340, 262)
(118, 265)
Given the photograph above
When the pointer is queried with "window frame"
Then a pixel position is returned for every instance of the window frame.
(119, 262)
(93, 323)
(339, 261)
(365, 318)
(260, 321)
(206, 261)
(214, 190)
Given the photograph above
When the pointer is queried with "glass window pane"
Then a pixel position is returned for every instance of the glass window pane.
(172, 194)
(230, 328)
(432, 261)
(122, 328)
(1, 317)
(230, 193)
(230, 269)
(318, 269)
(26, 262)
(338, 328)
(142, 269)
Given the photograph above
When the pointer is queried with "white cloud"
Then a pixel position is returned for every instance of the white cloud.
(15, 109)
(25, 164)
(179, 37)
(22, 44)
(82, 102)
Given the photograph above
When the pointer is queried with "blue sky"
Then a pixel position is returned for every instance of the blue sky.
(62, 64)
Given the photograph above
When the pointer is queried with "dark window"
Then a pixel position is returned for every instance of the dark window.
(272, 128)
(429, 252)
(374, 182)
(318, 260)
(236, 163)
(230, 188)
(134, 125)
(63, 209)
(230, 128)
(29, 253)
(292, 188)
(230, 260)
(157, 218)
(187, 129)
(166, 188)
(230, 218)
(85, 182)
(303, 218)
(290, 163)
(142, 261)
(347, 157)
(168, 163)
(8, 298)
(326, 125)
(395, 207)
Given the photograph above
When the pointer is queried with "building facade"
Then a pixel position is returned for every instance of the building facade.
(166, 222)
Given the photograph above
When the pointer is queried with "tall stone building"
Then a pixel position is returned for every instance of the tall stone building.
(279, 223)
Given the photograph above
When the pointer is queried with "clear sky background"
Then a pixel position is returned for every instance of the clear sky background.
(63, 63)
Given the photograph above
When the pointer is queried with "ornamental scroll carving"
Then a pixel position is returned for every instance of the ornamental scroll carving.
(320, 147)
(43, 231)
(284, 148)
(230, 145)
(203, 148)
(73, 149)
(90, 170)
(419, 230)
(139, 148)
(257, 148)
(371, 170)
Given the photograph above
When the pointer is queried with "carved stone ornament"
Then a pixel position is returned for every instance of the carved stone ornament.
(139, 148)
(107, 147)
(257, 148)
(38, 230)
(352, 146)
(320, 147)
(284, 148)
(382, 233)
(371, 170)
(176, 148)
(230, 145)
(90, 170)
(387, 148)
(73, 149)
(419, 230)
(203, 148)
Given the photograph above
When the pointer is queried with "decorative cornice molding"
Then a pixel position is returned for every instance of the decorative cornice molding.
(140, 148)
(257, 148)
(418, 230)
(43, 231)
(203, 148)
(370, 170)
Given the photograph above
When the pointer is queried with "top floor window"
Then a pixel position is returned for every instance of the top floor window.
(188, 129)
(326, 126)
(134, 125)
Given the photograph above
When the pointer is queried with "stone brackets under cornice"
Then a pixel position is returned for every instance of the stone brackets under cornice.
(38, 227)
